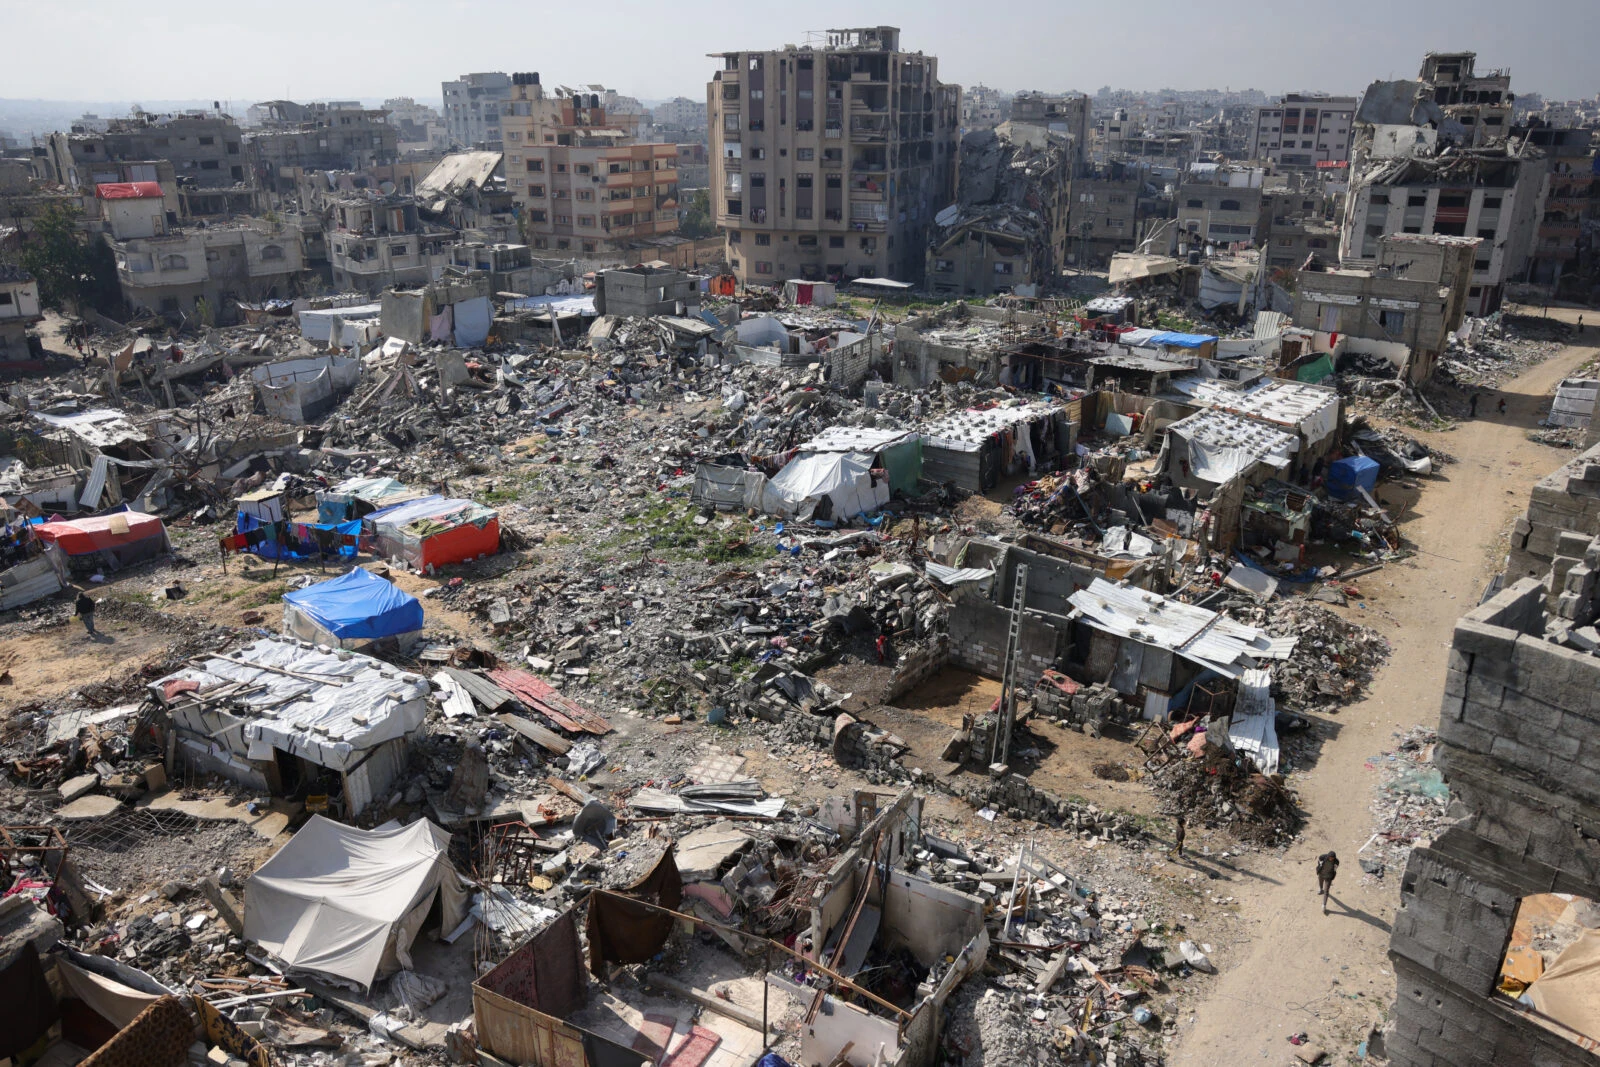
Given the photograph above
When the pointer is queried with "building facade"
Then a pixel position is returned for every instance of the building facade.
(472, 108)
(319, 137)
(206, 149)
(829, 161)
(580, 178)
(1305, 130)
(19, 309)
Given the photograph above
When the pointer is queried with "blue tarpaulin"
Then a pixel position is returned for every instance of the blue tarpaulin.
(358, 606)
(1346, 475)
(1182, 340)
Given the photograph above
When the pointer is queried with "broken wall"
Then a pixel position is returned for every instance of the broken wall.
(1566, 501)
(979, 630)
(1518, 728)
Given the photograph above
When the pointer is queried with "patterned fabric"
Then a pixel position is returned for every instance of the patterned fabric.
(159, 1036)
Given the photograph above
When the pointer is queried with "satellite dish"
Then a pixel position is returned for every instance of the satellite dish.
(386, 188)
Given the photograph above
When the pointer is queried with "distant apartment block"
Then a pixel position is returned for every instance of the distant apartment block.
(829, 161)
(472, 107)
(581, 180)
(206, 149)
(1305, 130)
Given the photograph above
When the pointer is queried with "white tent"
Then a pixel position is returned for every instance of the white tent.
(347, 903)
(844, 479)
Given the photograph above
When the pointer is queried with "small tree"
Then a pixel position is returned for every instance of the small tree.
(697, 219)
(72, 271)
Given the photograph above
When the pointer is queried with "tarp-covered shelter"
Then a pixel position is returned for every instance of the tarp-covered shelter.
(801, 292)
(1211, 448)
(348, 903)
(435, 531)
(352, 609)
(120, 539)
(825, 485)
(356, 498)
(292, 713)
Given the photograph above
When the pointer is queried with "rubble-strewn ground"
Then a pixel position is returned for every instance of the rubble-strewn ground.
(673, 623)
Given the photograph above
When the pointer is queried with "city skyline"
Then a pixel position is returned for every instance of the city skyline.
(654, 58)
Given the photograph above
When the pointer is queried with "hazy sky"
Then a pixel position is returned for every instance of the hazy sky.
(297, 49)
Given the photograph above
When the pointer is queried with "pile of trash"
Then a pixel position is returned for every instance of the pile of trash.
(1501, 347)
(1334, 659)
(1225, 790)
(1411, 805)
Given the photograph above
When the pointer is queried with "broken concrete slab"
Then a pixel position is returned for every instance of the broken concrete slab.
(73, 788)
(702, 853)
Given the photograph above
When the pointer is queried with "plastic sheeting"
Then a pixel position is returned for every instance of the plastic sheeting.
(727, 487)
(358, 606)
(304, 712)
(98, 533)
(435, 531)
(1253, 730)
(844, 479)
(348, 903)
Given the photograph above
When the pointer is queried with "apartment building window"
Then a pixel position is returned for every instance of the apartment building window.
(1230, 205)
(763, 238)
(174, 262)
(563, 220)
(805, 154)
(835, 242)
(1189, 203)
(271, 251)
(763, 266)
(584, 194)
(1487, 235)
(1490, 202)
(757, 152)
(735, 236)
(536, 215)
(586, 220)
(581, 168)
(208, 140)
(535, 190)
(808, 240)
(513, 135)
(535, 166)
(561, 168)
(1480, 264)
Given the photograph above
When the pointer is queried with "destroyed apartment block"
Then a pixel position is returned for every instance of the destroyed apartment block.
(999, 235)
(19, 309)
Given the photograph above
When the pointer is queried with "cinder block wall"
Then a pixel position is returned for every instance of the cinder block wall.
(1567, 501)
(978, 632)
(1519, 738)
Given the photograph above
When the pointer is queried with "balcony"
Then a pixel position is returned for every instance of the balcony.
(832, 164)
(732, 164)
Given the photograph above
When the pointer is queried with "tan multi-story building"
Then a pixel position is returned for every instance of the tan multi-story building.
(580, 179)
(829, 160)
(1305, 130)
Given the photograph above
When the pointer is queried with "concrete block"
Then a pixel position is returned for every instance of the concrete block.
(1529, 710)
(1455, 682)
(1482, 691)
(1520, 755)
(1480, 639)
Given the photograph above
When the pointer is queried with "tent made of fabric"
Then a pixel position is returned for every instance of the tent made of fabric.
(348, 903)
(358, 606)
(435, 531)
(1172, 339)
(842, 479)
(118, 540)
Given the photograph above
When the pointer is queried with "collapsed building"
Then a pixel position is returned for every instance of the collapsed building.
(999, 235)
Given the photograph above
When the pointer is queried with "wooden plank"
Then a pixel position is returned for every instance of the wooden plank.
(545, 739)
(485, 692)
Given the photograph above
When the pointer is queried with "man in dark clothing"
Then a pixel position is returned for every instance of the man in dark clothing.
(84, 609)
(1180, 829)
(1472, 405)
(1327, 867)
(1501, 407)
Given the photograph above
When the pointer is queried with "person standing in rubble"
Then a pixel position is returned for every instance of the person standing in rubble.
(1180, 829)
(84, 609)
(883, 647)
(1472, 405)
(1327, 867)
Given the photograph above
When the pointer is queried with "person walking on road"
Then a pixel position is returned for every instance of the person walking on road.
(1472, 405)
(1327, 867)
(84, 609)
(1501, 407)
(1180, 829)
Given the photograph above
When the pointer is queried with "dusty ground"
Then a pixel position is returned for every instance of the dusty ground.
(1288, 968)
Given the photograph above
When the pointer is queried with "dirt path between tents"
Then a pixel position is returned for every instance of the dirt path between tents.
(1289, 968)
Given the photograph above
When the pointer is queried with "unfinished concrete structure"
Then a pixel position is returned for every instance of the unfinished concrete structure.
(643, 291)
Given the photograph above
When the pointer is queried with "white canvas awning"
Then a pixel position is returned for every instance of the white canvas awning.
(843, 478)
(347, 903)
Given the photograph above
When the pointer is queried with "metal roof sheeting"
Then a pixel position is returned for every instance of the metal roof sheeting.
(1200, 636)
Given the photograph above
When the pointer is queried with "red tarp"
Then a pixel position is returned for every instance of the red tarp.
(128, 190)
(539, 694)
(463, 542)
(79, 537)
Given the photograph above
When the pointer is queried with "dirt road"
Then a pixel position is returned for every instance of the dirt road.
(1290, 968)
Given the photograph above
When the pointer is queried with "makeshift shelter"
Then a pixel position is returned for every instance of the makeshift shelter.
(351, 610)
(825, 485)
(896, 452)
(800, 292)
(435, 531)
(120, 539)
(356, 498)
(304, 390)
(348, 903)
(280, 714)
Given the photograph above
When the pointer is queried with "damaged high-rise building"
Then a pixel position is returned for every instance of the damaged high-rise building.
(1000, 234)
(828, 161)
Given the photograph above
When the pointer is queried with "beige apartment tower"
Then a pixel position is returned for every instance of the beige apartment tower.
(830, 159)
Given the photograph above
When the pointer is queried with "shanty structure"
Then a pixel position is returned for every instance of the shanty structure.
(826, 486)
(280, 713)
(974, 449)
(304, 390)
(1212, 448)
(435, 531)
(348, 903)
(111, 542)
(356, 498)
(352, 610)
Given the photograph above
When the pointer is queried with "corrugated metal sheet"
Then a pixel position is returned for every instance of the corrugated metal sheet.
(1198, 635)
